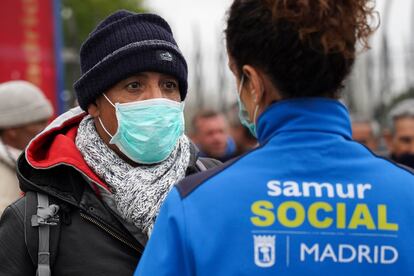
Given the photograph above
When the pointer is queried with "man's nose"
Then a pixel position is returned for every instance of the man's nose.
(155, 91)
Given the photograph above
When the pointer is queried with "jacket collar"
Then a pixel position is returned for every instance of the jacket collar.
(305, 114)
(56, 146)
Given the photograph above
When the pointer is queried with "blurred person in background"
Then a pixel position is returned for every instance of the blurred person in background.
(243, 138)
(24, 112)
(400, 138)
(210, 132)
(365, 131)
(309, 200)
(95, 178)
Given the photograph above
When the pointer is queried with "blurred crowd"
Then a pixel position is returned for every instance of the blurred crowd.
(394, 140)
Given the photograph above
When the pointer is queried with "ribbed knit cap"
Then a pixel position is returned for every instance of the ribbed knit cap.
(22, 103)
(123, 44)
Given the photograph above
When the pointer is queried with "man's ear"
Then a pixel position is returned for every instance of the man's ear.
(254, 82)
(93, 110)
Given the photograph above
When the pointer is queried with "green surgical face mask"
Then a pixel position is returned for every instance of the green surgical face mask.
(243, 114)
(148, 130)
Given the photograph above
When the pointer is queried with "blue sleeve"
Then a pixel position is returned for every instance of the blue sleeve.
(165, 253)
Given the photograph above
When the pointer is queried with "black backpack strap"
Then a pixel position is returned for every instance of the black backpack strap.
(30, 234)
(40, 216)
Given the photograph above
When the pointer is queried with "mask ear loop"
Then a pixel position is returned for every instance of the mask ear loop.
(104, 128)
(255, 114)
(241, 85)
(99, 118)
(108, 100)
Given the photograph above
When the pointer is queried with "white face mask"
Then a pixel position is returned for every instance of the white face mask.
(148, 130)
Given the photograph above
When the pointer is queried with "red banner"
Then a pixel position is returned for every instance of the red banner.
(27, 44)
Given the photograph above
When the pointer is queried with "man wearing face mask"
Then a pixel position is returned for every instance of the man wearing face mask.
(400, 139)
(308, 200)
(105, 167)
(24, 112)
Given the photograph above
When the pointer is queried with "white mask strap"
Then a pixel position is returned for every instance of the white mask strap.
(241, 85)
(255, 114)
(108, 100)
(107, 132)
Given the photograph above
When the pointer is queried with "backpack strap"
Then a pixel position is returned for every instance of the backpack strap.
(200, 165)
(204, 163)
(45, 216)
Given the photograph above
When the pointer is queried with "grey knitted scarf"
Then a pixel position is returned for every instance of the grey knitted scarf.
(138, 191)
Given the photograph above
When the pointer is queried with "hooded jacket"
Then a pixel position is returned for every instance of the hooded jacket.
(93, 239)
(308, 201)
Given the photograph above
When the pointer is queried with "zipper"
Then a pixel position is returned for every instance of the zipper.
(110, 232)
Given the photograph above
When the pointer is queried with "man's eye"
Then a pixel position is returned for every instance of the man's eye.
(134, 85)
(170, 85)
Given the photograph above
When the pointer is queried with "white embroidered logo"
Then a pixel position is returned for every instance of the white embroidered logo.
(166, 56)
(264, 250)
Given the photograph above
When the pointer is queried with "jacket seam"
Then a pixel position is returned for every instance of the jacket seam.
(237, 159)
(387, 159)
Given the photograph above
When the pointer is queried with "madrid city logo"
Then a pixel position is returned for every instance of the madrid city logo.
(264, 250)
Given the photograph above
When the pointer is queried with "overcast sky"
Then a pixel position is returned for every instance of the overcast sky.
(202, 20)
(208, 17)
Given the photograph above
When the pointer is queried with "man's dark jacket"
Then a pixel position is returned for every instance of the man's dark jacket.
(90, 239)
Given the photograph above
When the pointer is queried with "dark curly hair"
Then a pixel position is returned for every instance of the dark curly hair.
(307, 47)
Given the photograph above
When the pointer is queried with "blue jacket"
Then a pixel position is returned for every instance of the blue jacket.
(308, 201)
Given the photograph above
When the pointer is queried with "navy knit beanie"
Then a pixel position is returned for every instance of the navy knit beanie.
(123, 44)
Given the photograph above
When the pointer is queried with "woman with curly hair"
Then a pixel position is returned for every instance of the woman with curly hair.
(309, 200)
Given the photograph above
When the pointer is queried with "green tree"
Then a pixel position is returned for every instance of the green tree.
(79, 18)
